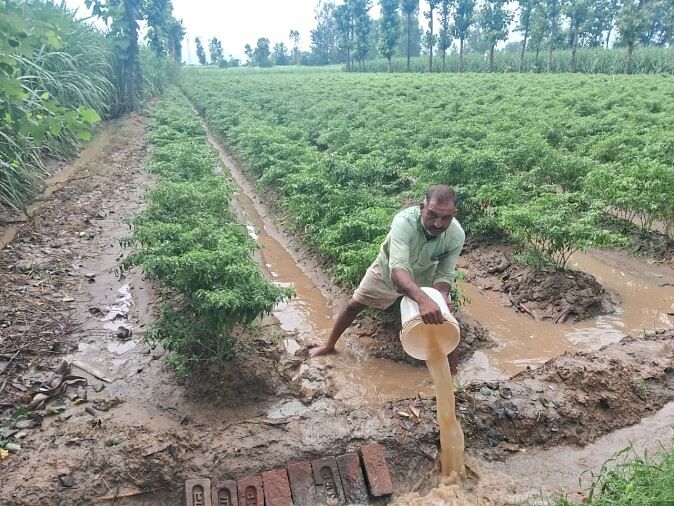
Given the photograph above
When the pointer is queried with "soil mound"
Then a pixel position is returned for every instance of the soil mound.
(560, 296)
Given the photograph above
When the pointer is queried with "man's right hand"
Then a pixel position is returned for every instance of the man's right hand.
(430, 312)
(321, 350)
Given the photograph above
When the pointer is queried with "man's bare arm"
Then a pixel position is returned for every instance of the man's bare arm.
(428, 310)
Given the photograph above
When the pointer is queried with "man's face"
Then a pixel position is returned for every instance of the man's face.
(436, 217)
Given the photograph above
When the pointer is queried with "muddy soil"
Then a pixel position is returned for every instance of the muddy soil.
(560, 296)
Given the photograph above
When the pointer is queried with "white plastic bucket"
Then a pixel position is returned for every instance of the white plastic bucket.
(423, 341)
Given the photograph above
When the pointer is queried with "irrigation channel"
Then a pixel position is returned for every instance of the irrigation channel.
(151, 433)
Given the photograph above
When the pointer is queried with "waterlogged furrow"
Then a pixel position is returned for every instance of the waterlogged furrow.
(189, 239)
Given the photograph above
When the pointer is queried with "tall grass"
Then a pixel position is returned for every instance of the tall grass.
(78, 74)
(589, 61)
(632, 480)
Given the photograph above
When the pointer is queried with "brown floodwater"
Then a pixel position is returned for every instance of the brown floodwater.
(645, 298)
(360, 380)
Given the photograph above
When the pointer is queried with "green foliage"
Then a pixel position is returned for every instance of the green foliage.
(344, 152)
(51, 92)
(188, 238)
(629, 479)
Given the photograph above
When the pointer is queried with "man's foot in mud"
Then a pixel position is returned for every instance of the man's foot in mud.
(324, 349)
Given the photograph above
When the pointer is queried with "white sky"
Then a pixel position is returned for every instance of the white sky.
(237, 22)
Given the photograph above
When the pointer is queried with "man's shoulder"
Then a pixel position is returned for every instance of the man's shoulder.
(410, 214)
(455, 233)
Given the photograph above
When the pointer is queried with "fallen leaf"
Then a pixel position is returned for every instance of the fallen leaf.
(402, 413)
(3, 454)
(415, 411)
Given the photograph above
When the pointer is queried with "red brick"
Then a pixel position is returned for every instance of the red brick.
(376, 469)
(276, 488)
(250, 491)
(301, 478)
(224, 494)
(328, 481)
(355, 489)
(198, 492)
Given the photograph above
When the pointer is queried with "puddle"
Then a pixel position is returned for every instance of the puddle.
(571, 468)
(643, 305)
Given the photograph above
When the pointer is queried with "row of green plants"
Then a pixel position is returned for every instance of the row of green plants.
(647, 60)
(539, 159)
(189, 239)
(57, 79)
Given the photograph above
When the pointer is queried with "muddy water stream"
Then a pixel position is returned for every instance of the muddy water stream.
(643, 305)
(358, 380)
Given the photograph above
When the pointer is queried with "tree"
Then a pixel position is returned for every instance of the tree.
(633, 21)
(553, 8)
(539, 28)
(429, 40)
(324, 38)
(601, 18)
(261, 53)
(409, 8)
(344, 26)
(201, 54)
(493, 21)
(578, 12)
(281, 56)
(123, 16)
(389, 29)
(360, 10)
(248, 51)
(215, 49)
(295, 39)
(526, 8)
(445, 36)
(661, 29)
(463, 20)
(175, 32)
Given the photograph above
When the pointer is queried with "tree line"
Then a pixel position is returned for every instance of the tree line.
(346, 33)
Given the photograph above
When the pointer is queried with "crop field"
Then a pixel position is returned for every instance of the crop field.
(535, 158)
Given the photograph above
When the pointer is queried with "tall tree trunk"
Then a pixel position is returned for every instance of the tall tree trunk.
(574, 48)
(552, 47)
(628, 57)
(491, 58)
(461, 54)
(430, 49)
(444, 56)
(538, 50)
(409, 39)
(389, 64)
(608, 34)
(524, 46)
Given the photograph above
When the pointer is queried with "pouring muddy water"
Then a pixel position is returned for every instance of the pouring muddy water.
(432, 343)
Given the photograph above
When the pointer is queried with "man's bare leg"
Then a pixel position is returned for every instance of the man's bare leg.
(344, 320)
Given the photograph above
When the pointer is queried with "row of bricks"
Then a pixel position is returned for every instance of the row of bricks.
(328, 480)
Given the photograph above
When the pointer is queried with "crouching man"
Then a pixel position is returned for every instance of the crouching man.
(421, 249)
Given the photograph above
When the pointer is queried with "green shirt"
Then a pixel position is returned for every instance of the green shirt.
(429, 261)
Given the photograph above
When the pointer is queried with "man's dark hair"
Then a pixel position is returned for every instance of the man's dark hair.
(441, 194)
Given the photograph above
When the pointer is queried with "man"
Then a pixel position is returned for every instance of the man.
(421, 249)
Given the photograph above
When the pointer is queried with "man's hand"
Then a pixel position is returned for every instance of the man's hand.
(430, 312)
(324, 349)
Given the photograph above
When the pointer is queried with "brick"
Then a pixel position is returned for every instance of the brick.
(302, 486)
(276, 488)
(250, 491)
(198, 492)
(224, 493)
(376, 469)
(353, 480)
(328, 481)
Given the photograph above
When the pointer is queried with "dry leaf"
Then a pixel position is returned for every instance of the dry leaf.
(3, 454)
(415, 411)
(402, 413)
